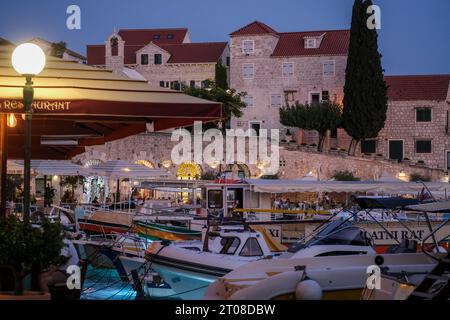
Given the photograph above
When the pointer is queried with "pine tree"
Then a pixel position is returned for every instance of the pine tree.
(365, 91)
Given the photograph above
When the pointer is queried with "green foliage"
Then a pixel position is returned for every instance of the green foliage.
(49, 194)
(418, 177)
(365, 91)
(58, 49)
(14, 186)
(208, 175)
(345, 176)
(221, 75)
(71, 182)
(270, 177)
(320, 117)
(231, 101)
(27, 248)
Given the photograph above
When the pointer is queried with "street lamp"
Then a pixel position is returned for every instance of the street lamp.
(28, 60)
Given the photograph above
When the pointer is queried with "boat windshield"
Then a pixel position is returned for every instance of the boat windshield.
(337, 232)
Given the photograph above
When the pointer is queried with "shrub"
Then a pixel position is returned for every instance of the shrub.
(345, 176)
(418, 177)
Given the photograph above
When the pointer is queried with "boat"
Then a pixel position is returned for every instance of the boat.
(188, 267)
(159, 231)
(337, 273)
(104, 251)
(433, 286)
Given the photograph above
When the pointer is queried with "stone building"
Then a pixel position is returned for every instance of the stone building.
(276, 69)
(417, 123)
(164, 57)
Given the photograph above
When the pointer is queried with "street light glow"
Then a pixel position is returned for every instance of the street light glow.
(28, 59)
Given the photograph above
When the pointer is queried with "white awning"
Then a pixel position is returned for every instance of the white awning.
(287, 186)
(127, 169)
(53, 167)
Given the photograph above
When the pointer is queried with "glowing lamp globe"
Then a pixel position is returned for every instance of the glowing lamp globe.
(28, 59)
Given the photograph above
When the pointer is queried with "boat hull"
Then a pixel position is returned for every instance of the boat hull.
(155, 231)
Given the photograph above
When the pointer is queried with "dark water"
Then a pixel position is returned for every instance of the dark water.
(105, 284)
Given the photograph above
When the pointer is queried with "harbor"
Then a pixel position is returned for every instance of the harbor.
(254, 170)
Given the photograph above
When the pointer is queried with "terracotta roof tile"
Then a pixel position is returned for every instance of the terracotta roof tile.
(95, 54)
(255, 27)
(334, 42)
(202, 52)
(136, 39)
(418, 87)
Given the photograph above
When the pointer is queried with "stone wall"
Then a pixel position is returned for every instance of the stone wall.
(294, 163)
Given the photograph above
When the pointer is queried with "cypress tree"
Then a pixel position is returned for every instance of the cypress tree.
(365, 91)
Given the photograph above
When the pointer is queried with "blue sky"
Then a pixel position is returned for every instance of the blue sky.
(414, 38)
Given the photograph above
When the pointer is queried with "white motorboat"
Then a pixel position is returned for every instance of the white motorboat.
(335, 274)
(188, 267)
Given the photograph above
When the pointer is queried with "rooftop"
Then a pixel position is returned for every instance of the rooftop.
(418, 87)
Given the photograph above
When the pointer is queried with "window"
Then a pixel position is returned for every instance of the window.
(215, 199)
(248, 46)
(340, 253)
(310, 43)
(228, 61)
(158, 58)
(192, 84)
(251, 248)
(368, 146)
(156, 36)
(114, 47)
(248, 100)
(288, 69)
(315, 98)
(328, 68)
(247, 70)
(423, 115)
(229, 245)
(162, 83)
(205, 84)
(325, 96)
(255, 126)
(423, 146)
(170, 36)
(144, 59)
(275, 100)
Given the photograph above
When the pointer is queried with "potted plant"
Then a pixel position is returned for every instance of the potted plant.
(26, 249)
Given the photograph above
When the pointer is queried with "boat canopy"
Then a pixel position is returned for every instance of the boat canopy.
(433, 207)
(286, 186)
(385, 202)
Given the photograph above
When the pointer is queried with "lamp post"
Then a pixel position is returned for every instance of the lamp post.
(28, 60)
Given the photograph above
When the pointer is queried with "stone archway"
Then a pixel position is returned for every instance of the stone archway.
(189, 171)
(146, 163)
(241, 170)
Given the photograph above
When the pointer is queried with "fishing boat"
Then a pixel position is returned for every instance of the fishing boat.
(334, 274)
(159, 231)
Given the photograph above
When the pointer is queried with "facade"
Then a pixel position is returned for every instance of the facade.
(164, 57)
(276, 69)
(417, 123)
(67, 55)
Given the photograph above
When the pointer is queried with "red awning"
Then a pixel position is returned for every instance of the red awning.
(77, 106)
